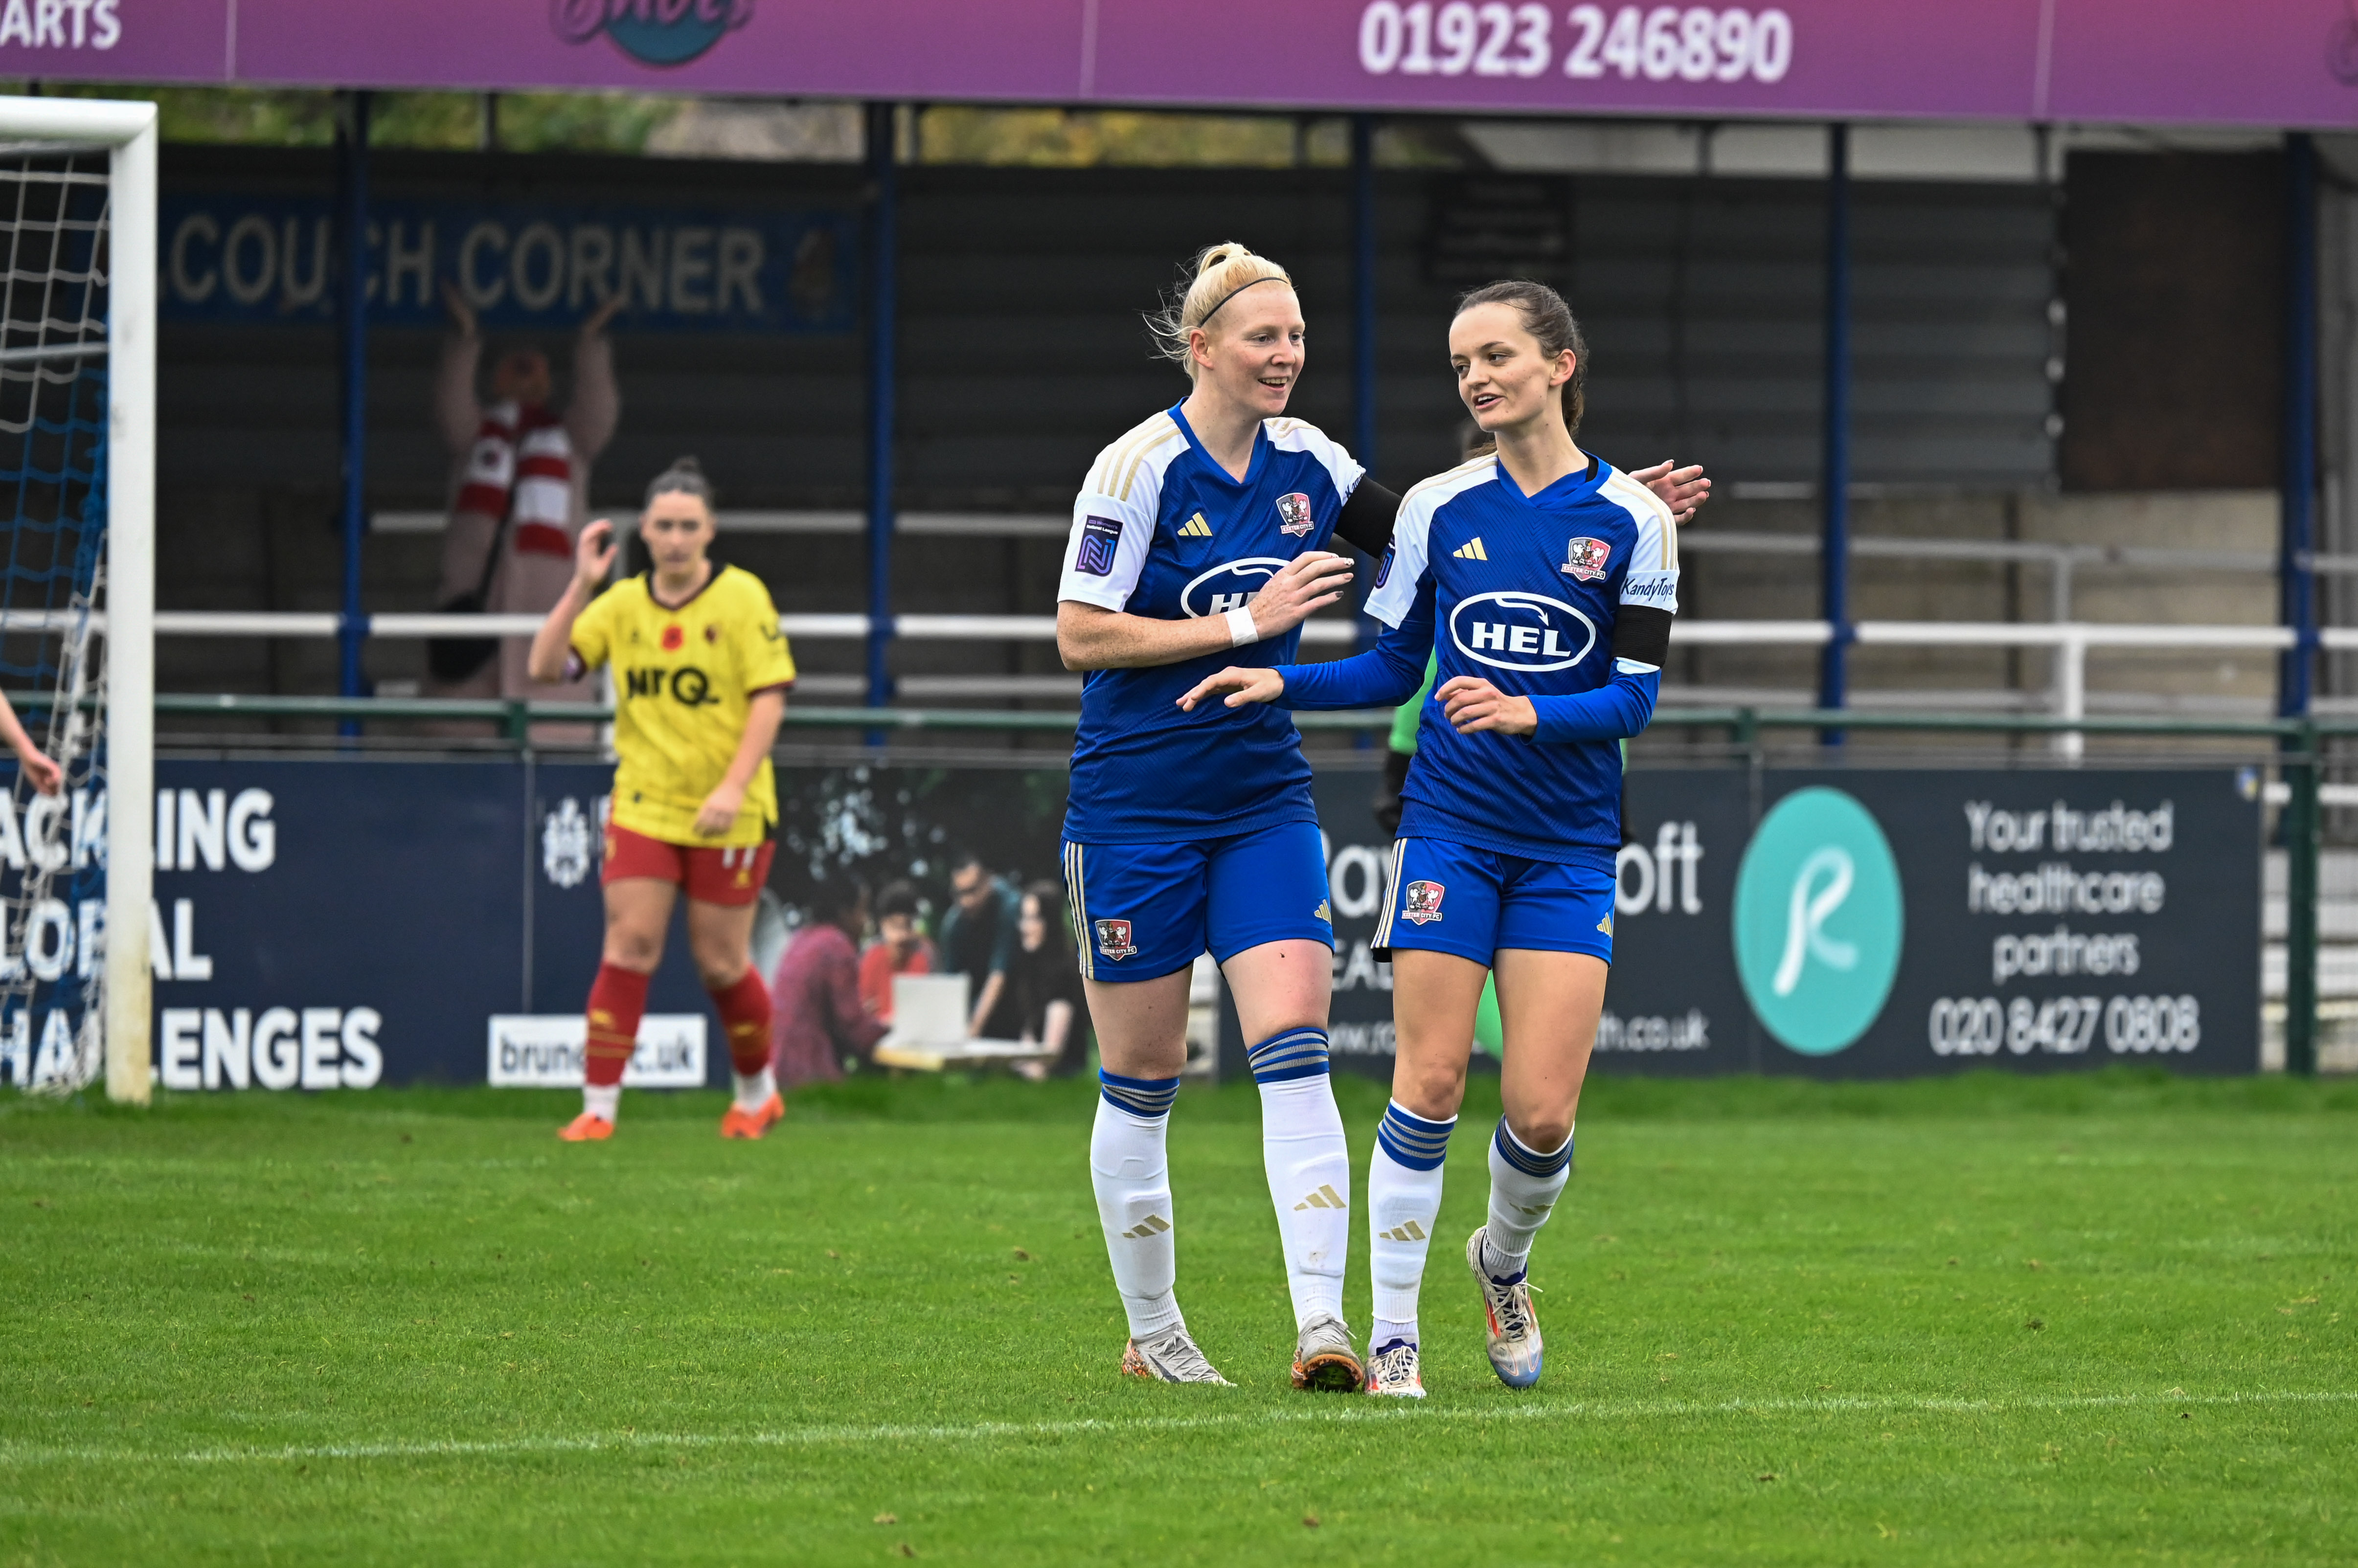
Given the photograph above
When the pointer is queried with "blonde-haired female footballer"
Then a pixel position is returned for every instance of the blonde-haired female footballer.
(1548, 580)
(1200, 533)
(701, 673)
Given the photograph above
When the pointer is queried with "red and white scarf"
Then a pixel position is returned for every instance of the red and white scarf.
(523, 458)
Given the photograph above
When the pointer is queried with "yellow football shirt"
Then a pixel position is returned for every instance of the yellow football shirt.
(684, 679)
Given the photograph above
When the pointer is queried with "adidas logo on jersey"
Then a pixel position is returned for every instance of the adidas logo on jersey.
(1323, 912)
(1197, 528)
(1324, 1197)
(1471, 550)
(1410, 1231)
(1152, 1226)
(1605, 925)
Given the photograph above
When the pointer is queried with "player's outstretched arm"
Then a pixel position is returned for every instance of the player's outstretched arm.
(1090, 637)
(1242, 685)
(1683, 490)
(593, 558)
(42, 772)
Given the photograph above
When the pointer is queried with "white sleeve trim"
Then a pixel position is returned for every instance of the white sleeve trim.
(1651, 579)
(1295, 436)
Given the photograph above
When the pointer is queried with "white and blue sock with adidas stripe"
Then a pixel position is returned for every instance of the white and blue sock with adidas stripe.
(1132, 1178)
(1309, 1167)
(1403, 1205)
(1524, 1185)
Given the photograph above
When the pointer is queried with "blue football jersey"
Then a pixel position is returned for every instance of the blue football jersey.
(1522, 592)
(1162, 530)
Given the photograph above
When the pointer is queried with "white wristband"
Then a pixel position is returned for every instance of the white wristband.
(1241, 629)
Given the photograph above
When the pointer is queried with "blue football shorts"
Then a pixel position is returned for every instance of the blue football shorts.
(1448, 897)
(1141, 911)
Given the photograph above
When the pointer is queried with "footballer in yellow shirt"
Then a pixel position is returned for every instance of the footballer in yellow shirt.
(685, 678)
(700, 677)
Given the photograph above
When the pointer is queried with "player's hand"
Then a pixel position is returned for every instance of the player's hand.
(40, 771)
(1473, 704)
(462, 315)
(718, 813)
(593, 555)
(1242, 685)
(1299, 589)
(595, 322)
(1682, 490)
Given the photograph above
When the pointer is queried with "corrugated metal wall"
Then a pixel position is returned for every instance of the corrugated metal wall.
(1022, 351)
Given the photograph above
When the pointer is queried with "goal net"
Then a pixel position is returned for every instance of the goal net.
(77, 333)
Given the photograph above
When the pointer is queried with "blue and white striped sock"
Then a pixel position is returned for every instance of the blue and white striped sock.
(1404, 1205)
(1524, 1185)
(1309, 1167)
(1131, 1176)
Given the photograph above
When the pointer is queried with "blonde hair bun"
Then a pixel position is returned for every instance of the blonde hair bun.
(1220, 271)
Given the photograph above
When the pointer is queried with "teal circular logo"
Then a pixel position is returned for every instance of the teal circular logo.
(1818, 920)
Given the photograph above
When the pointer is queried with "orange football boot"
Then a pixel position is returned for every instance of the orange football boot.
(586, 1128)
(753, 1123)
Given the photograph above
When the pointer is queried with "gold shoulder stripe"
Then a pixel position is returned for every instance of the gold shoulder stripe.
(1648, 501)
(1488, 460)
(1167, 434)
(1109, 462)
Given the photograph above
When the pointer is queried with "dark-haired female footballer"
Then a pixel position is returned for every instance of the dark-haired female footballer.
(1202, 532)
(701, 673)
(1547, 581)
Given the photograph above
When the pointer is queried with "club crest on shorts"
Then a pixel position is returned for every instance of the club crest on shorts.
(1293, 515)
(1584, 558)
(1113, 939)
(1421, 903)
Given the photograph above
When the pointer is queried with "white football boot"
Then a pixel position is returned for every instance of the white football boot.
(1515, 1348)
(1324, 1361)
(1170, 1357)
(1392, 1371)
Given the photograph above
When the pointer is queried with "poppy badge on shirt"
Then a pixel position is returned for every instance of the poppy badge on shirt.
(1584, 558)
(1113, 939)
(1293, 515)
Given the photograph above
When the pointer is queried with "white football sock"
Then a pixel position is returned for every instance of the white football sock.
(753, 1093)
(1309, 1167)
(1403, 1205)
(599, 1099)
(1524, 1185)
(1132, 1178)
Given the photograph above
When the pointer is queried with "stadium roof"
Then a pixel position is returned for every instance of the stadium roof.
(2288, 63)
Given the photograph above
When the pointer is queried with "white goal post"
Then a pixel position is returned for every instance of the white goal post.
(128, 130)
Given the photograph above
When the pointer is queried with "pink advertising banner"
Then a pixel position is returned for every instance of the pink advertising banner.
(2258, 63)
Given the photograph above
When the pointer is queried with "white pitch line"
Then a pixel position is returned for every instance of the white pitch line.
(823, 1436)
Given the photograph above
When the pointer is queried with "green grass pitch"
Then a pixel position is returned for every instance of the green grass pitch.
(1985, 1321)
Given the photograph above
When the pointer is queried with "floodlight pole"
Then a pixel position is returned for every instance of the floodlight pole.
(1833, 555)
(2297, 576)
(1363, 330)
(883, 240)
(352, 203)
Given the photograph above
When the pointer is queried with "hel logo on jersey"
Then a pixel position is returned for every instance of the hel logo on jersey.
(1113, 939)
(1421, 905)
(1584, 558)
(1293, 515)
(1099, 535)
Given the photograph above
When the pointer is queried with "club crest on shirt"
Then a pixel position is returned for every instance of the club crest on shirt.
(1584, 558)
(1293, 515)
(672, 638)
(1113, 939)
(711, 634)
(1420, 904)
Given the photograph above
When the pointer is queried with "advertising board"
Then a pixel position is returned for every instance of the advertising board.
(2267, 62)
(341, 924)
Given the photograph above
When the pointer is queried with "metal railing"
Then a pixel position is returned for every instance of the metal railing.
(2071, 642)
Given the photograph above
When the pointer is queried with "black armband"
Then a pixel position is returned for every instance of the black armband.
(1366, 524)
(1642, 632)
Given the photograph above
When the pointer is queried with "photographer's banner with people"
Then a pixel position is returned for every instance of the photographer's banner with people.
(340, 923)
